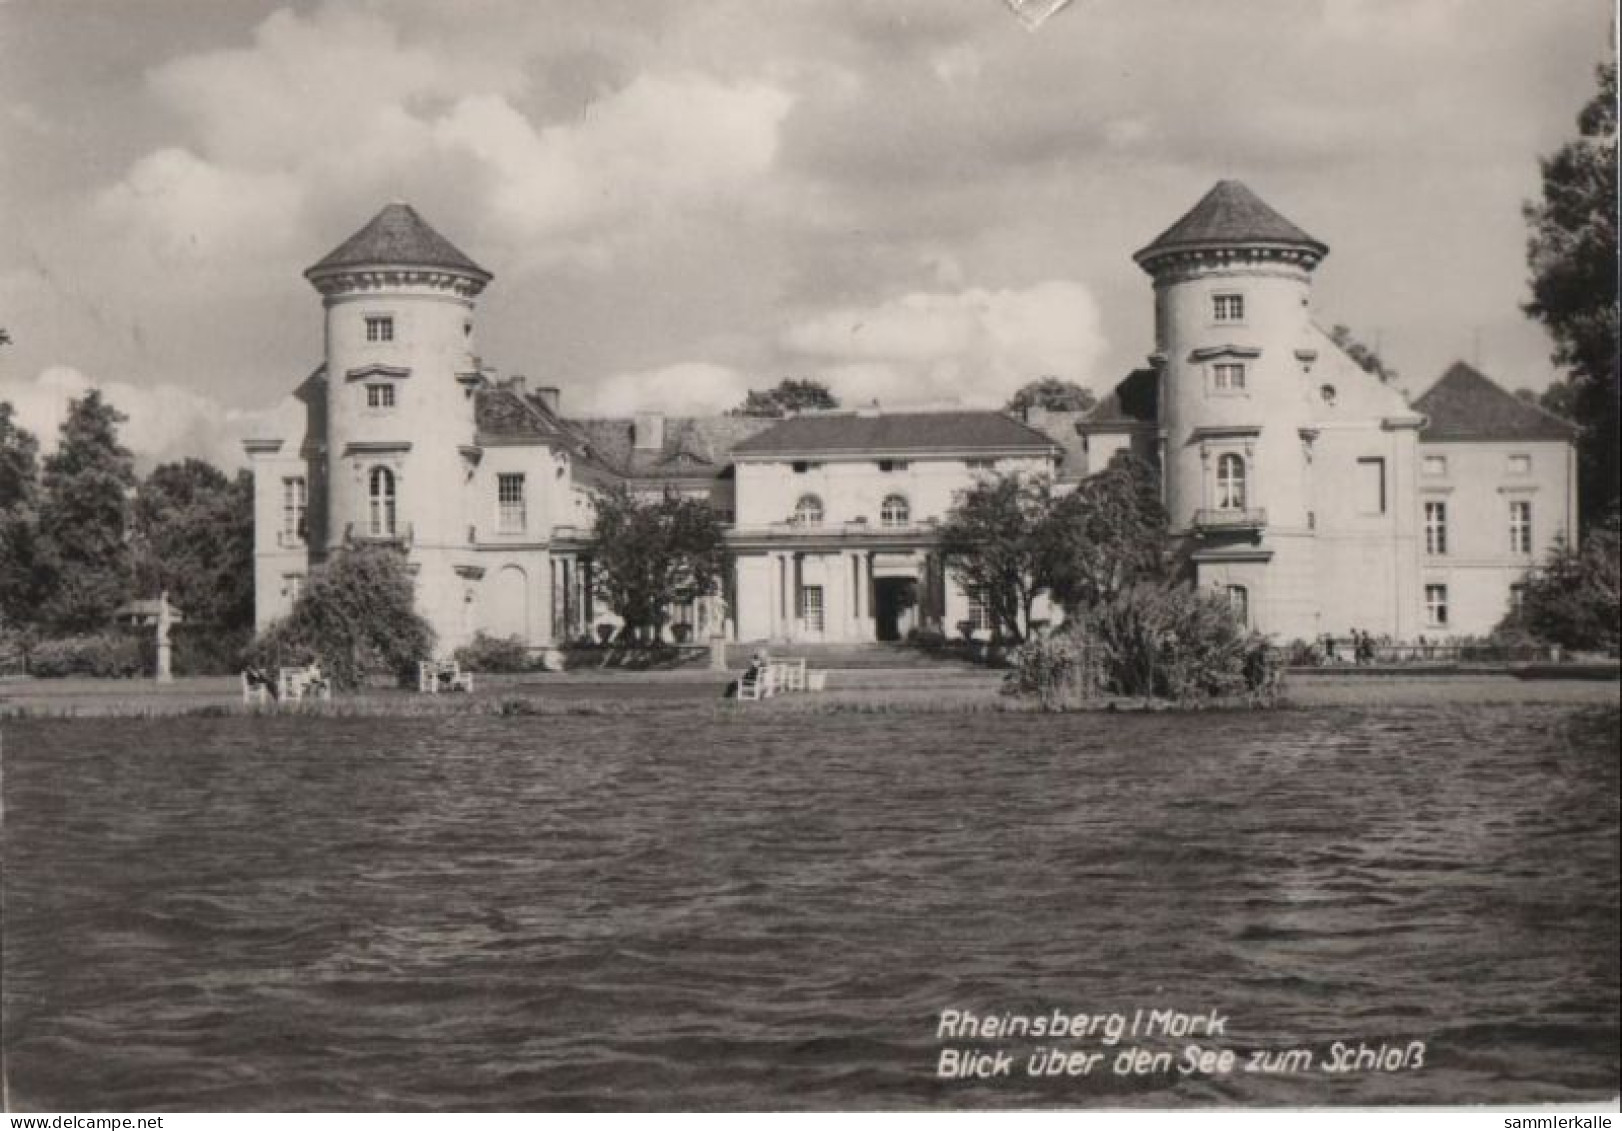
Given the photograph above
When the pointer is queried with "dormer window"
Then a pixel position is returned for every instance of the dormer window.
(380, 328)
(380, 396)
(1228, 308)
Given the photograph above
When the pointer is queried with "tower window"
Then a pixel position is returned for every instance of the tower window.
(1228, 377)
(1228, 308)
(1239, 602)
(379, 328)
(1436, 528)
(510, 517)
(1231, 483)
(379, 396)
(382, 503)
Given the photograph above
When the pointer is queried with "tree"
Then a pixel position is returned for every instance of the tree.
(996, 542)
(1367, 360)
(1109, 534)
(1572, 253)
(194, 538)
(1574, 598)
(84, 562)
(788, 396)
(652, 554)
(19, 521)
(1052, 394)
(358, 616)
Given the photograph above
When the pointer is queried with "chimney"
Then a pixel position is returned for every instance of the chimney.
(516, 383)
(650, 432)
(548, 395)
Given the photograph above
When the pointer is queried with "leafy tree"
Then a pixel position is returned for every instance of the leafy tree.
(1572, 599)
(997, 541)
(1572, 253)
(19, 521)
(1052, 394)
(84, 562)
(194, 538)
(652, 554)
(1367, 360)
(1108, 534)
(788, 396)
(357, 616)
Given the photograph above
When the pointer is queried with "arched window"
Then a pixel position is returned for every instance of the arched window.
(895, 511)
(382, 502)
(808, 511)
(1231, 483)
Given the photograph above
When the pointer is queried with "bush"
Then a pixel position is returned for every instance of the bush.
(357, 617)
(1574, 598)
(102, 654)
(494, 654)
(1061, 668)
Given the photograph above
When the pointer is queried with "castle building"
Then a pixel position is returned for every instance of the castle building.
(1309, 493)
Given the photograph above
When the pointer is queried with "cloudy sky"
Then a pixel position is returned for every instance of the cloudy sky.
(909, 199)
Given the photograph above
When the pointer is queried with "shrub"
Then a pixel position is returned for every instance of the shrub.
(357, 617)
(494, 654)
(1062, 669)
(102, 654)
(1170, 641)
(1574, 598)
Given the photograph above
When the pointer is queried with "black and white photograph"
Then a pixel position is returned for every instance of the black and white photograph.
(820, 556)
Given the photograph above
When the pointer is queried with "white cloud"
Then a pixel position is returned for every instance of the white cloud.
(974, 345)
(687, 388)
(165, 422)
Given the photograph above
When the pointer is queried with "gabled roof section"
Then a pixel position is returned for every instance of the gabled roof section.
(1466, 405)
(1230, 216)
(1134, 403)
(849, 433)
(694, 447)
(398, 237)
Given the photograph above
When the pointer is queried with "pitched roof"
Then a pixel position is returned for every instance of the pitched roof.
(693, 447)
(501, 412)
(397, 236)
(1134, 401)
(1230, 215)
(852, 432)
(1465, 405)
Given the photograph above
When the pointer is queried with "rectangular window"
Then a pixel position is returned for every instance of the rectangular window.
(1520, 465)
(801, 466)
(979, 611)
(980, 464)
(1436, 528)
(1520, 526)
(892, 465)
(1228, 376)
(1228, 308)
(1436, 606)
(379, 396)
(295, 505)
(293, 586)
(1371, 486)
(1435, 465)
(811, 607)
(510, 516)
(379, 328)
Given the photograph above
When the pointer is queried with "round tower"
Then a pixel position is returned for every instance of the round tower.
(1232, 283)
(400, 370)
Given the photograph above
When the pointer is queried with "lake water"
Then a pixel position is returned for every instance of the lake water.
(680, 909)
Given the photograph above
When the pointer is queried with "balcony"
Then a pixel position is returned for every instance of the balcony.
(1237, 520)
(362, 535)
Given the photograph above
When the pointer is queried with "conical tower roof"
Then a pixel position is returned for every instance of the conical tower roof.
(398, 237)
(1230, 216)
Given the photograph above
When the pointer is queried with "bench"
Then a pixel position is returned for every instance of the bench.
(256, 687)
(294, 685)
(777, 676)
(436, 676)
(758, 682)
